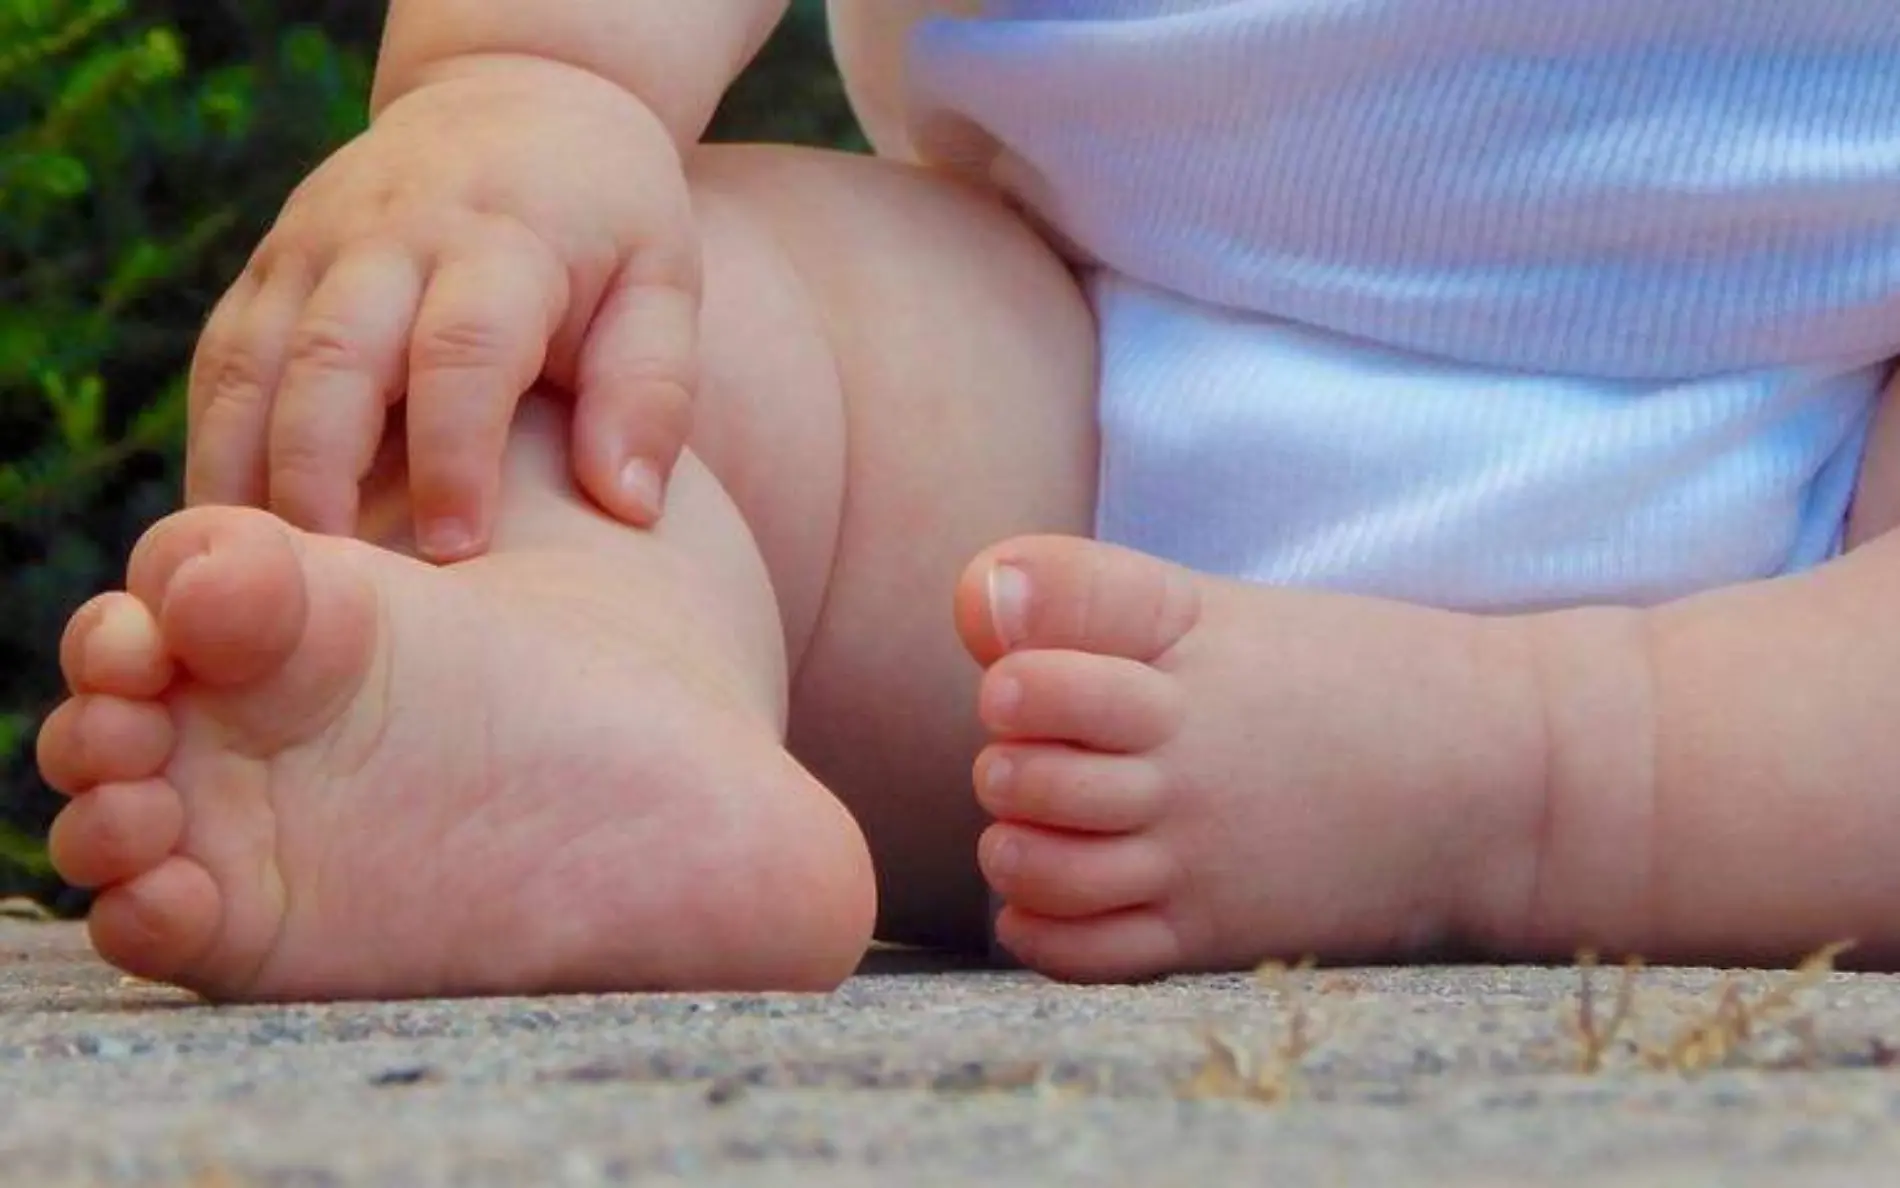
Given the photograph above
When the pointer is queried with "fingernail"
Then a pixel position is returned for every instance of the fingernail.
(1009, 604)
(1001, 697)
(1004, 858)
(448, 540)
(640, 482)
(996, 775)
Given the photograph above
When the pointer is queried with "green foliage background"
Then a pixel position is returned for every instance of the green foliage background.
(144, 147)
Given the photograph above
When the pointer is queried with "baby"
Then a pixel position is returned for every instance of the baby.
(1396, 464)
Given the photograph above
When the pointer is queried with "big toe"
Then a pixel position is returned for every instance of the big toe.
(227, 591)
(1078, 595)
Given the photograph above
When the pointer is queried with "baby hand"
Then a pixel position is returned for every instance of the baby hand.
(504, 223)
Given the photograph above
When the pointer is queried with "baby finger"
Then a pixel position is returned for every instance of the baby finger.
(233, 382)
(480, 341)
(345, 365)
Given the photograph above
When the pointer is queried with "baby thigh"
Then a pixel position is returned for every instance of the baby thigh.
(897, 373)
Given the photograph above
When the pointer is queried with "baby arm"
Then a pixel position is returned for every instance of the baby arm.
(516, 211)
(678, 58)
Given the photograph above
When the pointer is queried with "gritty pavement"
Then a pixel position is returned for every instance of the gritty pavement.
(1400, 1077)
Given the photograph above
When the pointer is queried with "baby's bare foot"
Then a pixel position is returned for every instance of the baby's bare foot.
(1194, 774)
(308, 768)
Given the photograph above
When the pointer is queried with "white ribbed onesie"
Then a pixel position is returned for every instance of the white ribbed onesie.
(1491, 304)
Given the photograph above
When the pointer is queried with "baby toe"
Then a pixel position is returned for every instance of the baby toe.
(116, 832)
(1101, 702)
(91, 740)
(1069, 875)
(159, 923)
(1061, 787)
(1118, 947)
(112, 645)
(228, 591)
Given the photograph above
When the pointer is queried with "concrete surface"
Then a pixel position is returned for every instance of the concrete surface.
(1415, 1076)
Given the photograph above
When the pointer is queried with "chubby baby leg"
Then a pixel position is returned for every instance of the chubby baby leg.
(1190, 773)
(357, 775)
(963, 358)
(312, 767)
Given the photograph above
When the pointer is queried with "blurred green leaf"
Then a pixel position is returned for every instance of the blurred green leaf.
(161, 55)
(50, 174)
(23, 853)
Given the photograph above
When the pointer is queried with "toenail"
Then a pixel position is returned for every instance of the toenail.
(997, 773)
(121, 630)
(1009, 593)
(184, 570)
(1001, 699)
(1004, 858)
